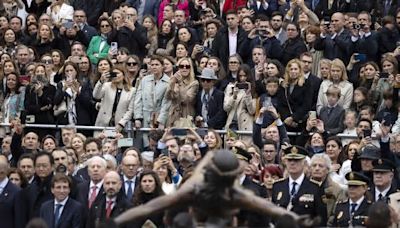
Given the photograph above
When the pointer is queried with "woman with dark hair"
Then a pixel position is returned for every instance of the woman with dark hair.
(184, 35)
(294, 45)
(71, 105)
(98, 46)
(240, 102)
(333, 148)
(181, 51)
(272, 68)
(132, 66)
(234, 63)
(165, 38)
(58, 59)
(149, 187)
(122, 55)
(151, 26)
(49, 143)
(13, 102)
(360, 99)
(9, 42)
(311, 33)
(17, 177)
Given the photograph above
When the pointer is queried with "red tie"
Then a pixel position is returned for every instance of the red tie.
(93, 195)
(108, 209)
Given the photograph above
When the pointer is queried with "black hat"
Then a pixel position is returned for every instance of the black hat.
(370, 152)
(295, 152)
(383, 165)
(242, 154)
(356, 178)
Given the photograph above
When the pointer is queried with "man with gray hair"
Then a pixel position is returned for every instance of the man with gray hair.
(92, 191)
(320, 169)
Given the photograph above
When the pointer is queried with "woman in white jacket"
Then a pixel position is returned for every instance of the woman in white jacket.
(117, 98)
(240, 102)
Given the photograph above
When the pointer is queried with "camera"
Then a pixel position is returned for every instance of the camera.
(358, 26)
(262, 32)
(113, 75)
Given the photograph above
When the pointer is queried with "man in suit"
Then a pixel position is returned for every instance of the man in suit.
(313, 81)
(8, 192)
(62, 211)
(353, 212)
(26, 165)
(210, 102)
(230, 40)
(384, 183)
(110, 206)
(276, 24)
(145, 7)
(89, 192)
(81, 19)
(129, 167)
(297, 193)
(335, 42)
(92, 148)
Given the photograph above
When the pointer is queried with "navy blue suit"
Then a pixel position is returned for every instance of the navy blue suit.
(71, 216)
(216, 114)
(7, 202)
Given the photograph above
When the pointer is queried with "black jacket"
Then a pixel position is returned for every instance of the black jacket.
(339, 47)
(92, 8)
(292, 48)
(342, 217)
(216, 114)
(221, 45)
(135, 41)
(33, 103)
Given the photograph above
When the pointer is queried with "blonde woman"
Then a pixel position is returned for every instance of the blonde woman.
(294, 98)
(182, 92)
(338, 77)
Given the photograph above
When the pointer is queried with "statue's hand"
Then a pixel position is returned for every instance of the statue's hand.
(307, 221)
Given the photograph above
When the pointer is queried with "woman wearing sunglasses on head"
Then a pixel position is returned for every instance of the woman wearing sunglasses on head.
(182, 92)
(98, 46)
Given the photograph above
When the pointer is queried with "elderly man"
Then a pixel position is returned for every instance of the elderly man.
(114, 204)
(384, 182)
(332, 192)
(129, 168)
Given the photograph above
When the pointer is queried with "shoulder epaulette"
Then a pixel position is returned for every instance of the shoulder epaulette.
(316, 182)
(282, 179)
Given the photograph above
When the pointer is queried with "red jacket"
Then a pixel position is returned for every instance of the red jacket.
(233, 4)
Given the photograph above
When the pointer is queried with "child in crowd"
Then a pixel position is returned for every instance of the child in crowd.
(269, 98)
(332, 114)
(350, 121)
(360, 98)
(388, 111)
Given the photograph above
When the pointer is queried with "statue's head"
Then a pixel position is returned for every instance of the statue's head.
(223, 169)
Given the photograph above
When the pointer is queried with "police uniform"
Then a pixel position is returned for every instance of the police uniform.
(307, 199)
(349, 213)
(383, 165)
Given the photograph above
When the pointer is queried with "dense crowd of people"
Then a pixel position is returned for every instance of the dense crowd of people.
(315, 83)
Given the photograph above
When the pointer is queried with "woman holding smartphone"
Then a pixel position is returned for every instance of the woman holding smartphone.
(240, 102)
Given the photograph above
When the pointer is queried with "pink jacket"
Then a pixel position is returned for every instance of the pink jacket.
(181, 4)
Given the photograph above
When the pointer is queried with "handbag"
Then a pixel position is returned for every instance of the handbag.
(60, 109)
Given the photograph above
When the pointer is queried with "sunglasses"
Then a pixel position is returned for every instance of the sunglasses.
(184, 66)
(105, 26)
(132, 63)
(205, 80)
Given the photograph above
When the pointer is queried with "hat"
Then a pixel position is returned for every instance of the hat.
(356, 178)
(383, 165)
(295, 152)
(231, 134)
(208, 73)
(241, 154)
(370, 152)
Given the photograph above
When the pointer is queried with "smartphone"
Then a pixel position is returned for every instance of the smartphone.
(110, 133)
(114, 48)
(144, 66)
(30, 119)
(367, 133)
(179, 131)
(242, 86)
(112, 75)
(202, 131)
(312, 115)
(360, 57)
(267, 102)
(125, 142)
(165, 152)
(68, 24)
(25, 78)
(383, 75)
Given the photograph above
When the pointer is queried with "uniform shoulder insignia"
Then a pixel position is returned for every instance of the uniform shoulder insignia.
(282, 179)
(256, 181)
(316, 182)
(369, 201)
(341, 201)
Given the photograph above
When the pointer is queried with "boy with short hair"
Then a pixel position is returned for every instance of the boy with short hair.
(269, 98)
(333, 114)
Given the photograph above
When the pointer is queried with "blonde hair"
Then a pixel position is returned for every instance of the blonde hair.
(300, 80)
(51, 38)
(125, 82)
(339, 63)
(191, 74)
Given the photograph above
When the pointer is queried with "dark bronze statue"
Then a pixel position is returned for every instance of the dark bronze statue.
(212, 192)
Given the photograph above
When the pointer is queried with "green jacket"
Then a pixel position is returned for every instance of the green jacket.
(94, 47)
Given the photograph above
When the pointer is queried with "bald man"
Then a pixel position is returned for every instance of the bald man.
(129, 167)
(8, 191)
(114, 204)
(335, 39)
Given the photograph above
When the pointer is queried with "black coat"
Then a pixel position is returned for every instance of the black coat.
(135, 41)
(307, 200)
(92, 8)
(216, 114)
(221, 45)
(368, 46)
(7, 205)
(71, 216)
(342, 217)
(333, 120)
(36, 8)
(33, 103)
(315, 83)
(292, 48)
(339, 47)
(387, 40)
(83, 194)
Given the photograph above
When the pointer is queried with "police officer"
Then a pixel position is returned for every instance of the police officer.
(296, 192)
(384, 183)
(353, 212)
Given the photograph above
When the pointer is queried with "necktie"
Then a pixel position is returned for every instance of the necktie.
(380, 197)
(205, 107)
(108, 209)
(57, 214)
(353, 208)
(330, 109)
(387, 7)
(129, 191)
(293, 191)
(93, 195)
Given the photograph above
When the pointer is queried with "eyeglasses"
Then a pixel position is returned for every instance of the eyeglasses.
(47, 61)
(105, 26)
(132, 63)
(184, 66)
(205, 80)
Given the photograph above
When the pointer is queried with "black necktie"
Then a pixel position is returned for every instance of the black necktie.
(353, 208)
(380, 197)
(293, 191)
